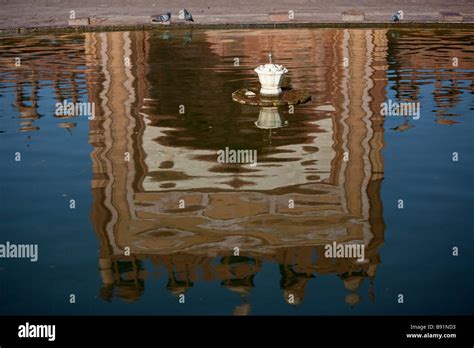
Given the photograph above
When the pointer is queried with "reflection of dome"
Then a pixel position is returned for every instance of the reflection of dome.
(352, 299)
(241, 290)
(352, 283)
(298, 298)
(243, 309)
(28, 113)
(129, 290)
(270, 118)
(177, 290)
(239, 273)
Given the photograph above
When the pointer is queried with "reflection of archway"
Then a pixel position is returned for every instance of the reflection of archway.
(344, 206)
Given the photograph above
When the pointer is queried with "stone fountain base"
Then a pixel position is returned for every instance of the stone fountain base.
(252, 96)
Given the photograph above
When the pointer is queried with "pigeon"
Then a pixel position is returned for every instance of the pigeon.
(397, 16)
(163, 18)
(188, 17)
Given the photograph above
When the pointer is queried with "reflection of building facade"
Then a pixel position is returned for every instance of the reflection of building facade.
(336, 200)
(33, 63)
(418, 59)
(135, 202)
(39, 63)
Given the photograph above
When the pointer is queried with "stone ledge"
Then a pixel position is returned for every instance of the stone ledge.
(279, 16)
(353, 16)
(451, 16)
(79, 22)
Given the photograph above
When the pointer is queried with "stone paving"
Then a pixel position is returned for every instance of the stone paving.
(17, 14)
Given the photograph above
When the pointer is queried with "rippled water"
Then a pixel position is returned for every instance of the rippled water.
(144, 177)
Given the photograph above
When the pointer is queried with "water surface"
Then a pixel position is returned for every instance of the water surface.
(163, 109)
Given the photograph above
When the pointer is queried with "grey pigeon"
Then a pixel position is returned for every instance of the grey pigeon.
(397, 16)
(163, 18)
(188, 17)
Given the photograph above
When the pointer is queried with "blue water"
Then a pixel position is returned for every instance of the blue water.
(416, 255)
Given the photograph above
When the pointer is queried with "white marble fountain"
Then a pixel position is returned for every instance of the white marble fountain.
(271, 95)
(271, 77)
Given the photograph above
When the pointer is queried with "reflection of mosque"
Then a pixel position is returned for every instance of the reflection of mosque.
(136, 202)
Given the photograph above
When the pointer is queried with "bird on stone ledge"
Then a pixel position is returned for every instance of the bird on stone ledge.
(162, 18)
(397, 16)
(188, 17)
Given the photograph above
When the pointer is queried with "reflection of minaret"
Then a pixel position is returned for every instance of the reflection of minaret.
(111, 133)
(363, 86)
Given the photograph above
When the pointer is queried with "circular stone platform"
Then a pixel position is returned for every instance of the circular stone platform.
(287, 97)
